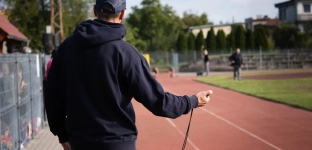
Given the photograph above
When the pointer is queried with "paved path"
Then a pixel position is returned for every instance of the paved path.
(45, 140)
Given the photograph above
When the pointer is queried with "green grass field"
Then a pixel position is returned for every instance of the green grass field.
(295, 92)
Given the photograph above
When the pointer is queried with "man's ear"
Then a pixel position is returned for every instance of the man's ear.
(94, 11)
(122, 15)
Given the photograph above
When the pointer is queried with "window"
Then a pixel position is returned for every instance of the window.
(307, 8)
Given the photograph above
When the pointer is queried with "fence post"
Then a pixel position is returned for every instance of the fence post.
(288, 59)
(42, 65)
(167, 58)
(31, 97)
(17, 103)
(195, 56)
(175, 62)
(260, 58)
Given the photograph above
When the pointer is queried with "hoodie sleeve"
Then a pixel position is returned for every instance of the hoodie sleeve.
(54, 100)
(231, 57)
(148, 91)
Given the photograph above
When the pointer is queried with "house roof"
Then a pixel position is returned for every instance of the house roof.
(287, 3)
(272, 22)
(11, 31)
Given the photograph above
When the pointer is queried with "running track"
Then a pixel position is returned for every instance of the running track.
(230, 121)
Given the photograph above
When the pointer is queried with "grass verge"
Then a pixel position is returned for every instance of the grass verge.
(293, 92)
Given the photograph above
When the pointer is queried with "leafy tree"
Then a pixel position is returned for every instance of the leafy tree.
(249, 40)
(221, 40)
(261, 39)
(132, 37)
(230, 41)
(31, 18)
(191, 42)
(72, 15)
(240, 37)
(211, 40)
(270, 43)
(289, 36)
(200, 41)
(158, 24)
(181, 42)
(191, 19)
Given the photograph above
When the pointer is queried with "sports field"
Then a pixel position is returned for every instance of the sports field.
(231, 120)
(292, 87)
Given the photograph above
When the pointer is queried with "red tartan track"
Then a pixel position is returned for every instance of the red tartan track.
(231, 121)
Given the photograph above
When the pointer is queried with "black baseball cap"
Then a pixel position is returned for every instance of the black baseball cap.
(118, 6)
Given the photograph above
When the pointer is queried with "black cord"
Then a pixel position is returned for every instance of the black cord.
(188, 128)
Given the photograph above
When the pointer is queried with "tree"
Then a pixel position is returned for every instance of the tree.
(200, 41)
(250, 40)
(191, 42)
(289, 36)
(240, 37)
(230, 41)
(191, 19)
(158, 24)
(132, 37)
(181, 42)
(261, 39)
(31, 18)
(72, 15)
(211, 40)
(221, 40)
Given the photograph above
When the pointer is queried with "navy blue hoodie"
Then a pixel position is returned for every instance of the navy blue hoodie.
(93, 78)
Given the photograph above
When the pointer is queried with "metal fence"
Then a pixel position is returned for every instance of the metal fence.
(254, 60)
(21, 99)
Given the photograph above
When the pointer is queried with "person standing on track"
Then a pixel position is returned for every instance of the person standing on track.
(206, 61)
(92, 80)
(236, 60)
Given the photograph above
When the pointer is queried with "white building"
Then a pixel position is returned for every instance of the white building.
(295, 11)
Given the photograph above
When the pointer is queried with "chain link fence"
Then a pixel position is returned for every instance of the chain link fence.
(253, 60)
(21, 99)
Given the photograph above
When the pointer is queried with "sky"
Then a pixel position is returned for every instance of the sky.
(221, 10)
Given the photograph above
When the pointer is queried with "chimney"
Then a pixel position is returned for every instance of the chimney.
(259, 17)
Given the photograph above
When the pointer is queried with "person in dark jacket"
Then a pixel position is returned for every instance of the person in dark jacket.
(236, 60)
(206, 61)
(92, 79)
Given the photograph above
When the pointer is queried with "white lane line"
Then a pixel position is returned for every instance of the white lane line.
(188, 139)
(171, 122)
(240, 128)
(234, 125)
(259, 111)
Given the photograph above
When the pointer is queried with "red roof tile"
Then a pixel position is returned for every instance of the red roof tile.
(272, 22)
(11, 30)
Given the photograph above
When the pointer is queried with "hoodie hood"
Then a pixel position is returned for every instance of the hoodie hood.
(96, 32)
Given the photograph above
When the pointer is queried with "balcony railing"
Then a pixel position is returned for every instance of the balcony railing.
(304, 17)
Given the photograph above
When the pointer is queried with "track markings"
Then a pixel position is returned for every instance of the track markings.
(278, 118)
(188, 139)
(261, 112)
(240, 128)
(234, 125)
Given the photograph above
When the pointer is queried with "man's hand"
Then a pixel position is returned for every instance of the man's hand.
(66, 146)
(203, 97)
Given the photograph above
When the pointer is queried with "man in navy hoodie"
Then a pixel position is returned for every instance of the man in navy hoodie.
(94, 76)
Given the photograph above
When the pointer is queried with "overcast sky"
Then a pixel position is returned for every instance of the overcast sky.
(221, 10)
